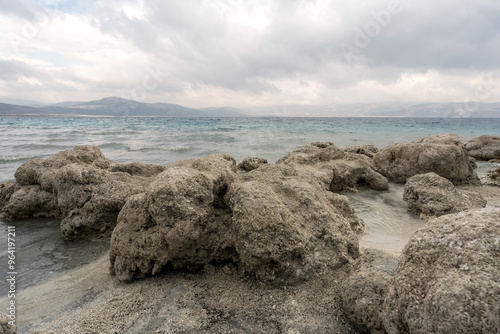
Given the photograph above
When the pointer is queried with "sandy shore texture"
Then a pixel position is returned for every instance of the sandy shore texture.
(216, 300)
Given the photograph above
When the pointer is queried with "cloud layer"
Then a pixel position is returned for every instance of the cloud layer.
(250, 53)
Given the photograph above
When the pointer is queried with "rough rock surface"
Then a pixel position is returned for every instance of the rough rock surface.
(401, 161)
(277, 223)
(363, 291)
(448, 278)
(249, 164)
(5, 327)
(337, 169)
(80, 187)
(442, 139)
(493, 177)
(368, 150)
(432, 195)
(484, 147)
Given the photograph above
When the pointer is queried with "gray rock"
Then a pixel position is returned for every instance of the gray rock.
(493, 177)
(368, 150)
(448, 278)
(442, 139)
(180, 220)
(484, 147)
(276, 223)
(336, 169)
(431, 195)
(249, 164)
(400, 161)
(363, 292)
(80, 187)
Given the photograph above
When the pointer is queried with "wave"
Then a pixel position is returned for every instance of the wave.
(35, 146)
(180, 148)
(19, 158)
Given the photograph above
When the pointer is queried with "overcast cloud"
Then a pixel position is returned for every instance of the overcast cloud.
(250, 53)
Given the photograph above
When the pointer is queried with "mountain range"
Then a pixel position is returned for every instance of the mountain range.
(114, 106)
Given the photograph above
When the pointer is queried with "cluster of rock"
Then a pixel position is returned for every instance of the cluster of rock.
(286, 222)
(80, 187)
(280, 223)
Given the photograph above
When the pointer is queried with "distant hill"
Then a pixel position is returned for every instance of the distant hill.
(114, 106)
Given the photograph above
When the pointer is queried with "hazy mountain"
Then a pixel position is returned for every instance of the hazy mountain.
(114, 106)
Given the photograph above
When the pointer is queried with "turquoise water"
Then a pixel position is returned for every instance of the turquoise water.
(165, 140)
(43, 253)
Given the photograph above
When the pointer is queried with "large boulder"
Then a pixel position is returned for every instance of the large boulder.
(80, 187)
(180, 220)
(5, 326)
(337, 169)
(484, 147)
(448, 278)
(401, 161)
(363, 291)
(276, 223)
(432, 195)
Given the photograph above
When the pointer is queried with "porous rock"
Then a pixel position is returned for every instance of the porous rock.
(484, 147)
(249, 164)
(5, 327)
(363, 292)
(493, 177)
(432, 195)
(80, 187)
(368, 150)
(399, 162)
(337, 169)
(276, 223)
(448, 277)
(442, 139)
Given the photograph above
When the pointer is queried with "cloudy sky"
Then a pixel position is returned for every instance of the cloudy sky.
(250, 53)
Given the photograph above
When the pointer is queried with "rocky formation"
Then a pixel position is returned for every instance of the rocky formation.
(400, 161)
(432, 195)
(5, 327)
(484, 147)
(363, 291)
(249, 164)
(80, 187)
(337, 169)
(493, 177)
(447, 280)
(368, 150)
(442, 139)
(276, 223)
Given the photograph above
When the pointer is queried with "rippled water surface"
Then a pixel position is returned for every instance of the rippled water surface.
(43, 253)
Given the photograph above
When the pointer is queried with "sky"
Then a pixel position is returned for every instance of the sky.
(250, 53)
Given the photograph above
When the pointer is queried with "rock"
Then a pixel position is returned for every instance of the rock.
(31, 202)
(400, 161)
(5, 327)
(336, 169)
(432, 195)
(448, 278)
(287, 227)
(249, 164)
(276, 223)
(442, 139)
(368, 150)
(180, 220)
(484, 147)
(493, 177)
(80, 187)
(363, 291)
